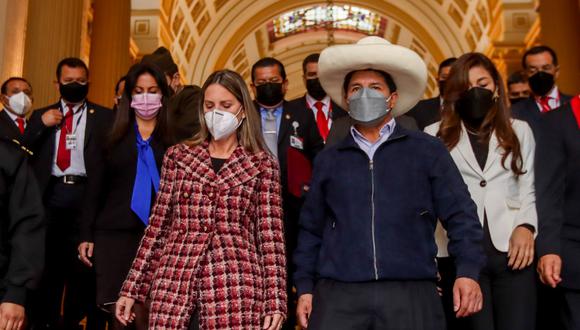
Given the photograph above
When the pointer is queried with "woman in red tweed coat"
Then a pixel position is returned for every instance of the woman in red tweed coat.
(214, 248)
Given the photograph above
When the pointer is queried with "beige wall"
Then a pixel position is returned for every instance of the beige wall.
(13, 15)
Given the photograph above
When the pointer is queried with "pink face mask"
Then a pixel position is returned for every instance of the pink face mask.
(146, 105)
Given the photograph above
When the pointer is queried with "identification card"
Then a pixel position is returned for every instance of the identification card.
(296, 142)
(71, 142)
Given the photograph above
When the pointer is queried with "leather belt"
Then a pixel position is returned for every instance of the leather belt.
(71, 179)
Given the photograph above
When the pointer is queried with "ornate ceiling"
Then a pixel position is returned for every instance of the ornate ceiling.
(206, 35)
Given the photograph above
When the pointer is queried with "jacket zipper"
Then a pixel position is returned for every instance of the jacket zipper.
(372, 170)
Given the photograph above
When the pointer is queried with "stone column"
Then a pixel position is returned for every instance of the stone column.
(560, 25)
(54, 31)
(109, 56)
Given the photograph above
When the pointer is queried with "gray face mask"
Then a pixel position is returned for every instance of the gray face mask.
(367, 107)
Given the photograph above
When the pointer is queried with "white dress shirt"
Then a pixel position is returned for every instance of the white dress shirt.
(553, 101)
(310, 101)
(77, 157)
(15, 118)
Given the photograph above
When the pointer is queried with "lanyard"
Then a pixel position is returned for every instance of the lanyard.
(71, 113)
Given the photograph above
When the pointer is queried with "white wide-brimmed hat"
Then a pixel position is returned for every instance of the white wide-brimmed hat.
(404, 65)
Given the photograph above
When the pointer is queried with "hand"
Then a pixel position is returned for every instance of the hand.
(273, 322)
(11, 316)
(467, 297)
(52, 117)
(549, 268)
(521, 248)
(124, 310)
(304, 309)
(86, 252)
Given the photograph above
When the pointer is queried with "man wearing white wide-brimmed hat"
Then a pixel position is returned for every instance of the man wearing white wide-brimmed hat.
(366, 250)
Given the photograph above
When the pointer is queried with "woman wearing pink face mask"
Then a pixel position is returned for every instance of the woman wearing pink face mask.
(124, 191)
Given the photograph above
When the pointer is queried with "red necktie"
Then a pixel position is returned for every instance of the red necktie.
(321, 120)
(20, 123)
(545, 103)
(63, 155)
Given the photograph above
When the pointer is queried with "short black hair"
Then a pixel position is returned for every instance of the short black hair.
(4, 88)
(312, 58)
(447, 62)
(388, 80)
(71, 62)
(266, 62)
(538, 50)
(118, 84)
(517, 78)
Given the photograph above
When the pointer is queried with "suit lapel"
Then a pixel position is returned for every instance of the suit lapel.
(464, 147)
(493, 152)
(90, 123)
(285, 123)
(239, 168)
(9, 124)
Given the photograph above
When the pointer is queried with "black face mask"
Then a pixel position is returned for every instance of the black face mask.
(441, 84)
(473, 106)
(541, 83)
(516, 100)
(269, 94)
(315, 89)
(74, 92)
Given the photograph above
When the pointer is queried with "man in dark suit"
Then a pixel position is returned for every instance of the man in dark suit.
(324, 110)
(558, 196)
(292, 136)
(428, 111)
(65, 156)
(23, 233)
(16, 98)
(541, 66)
(184, 103)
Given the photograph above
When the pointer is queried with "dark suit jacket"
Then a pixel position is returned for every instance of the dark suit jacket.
(184, 112)
(41, 140)
(558, 190)
(301, 104)
(8, 128)
(528, 111)
(307, 131)
(109, 195)
(341, 128)
(426, 112)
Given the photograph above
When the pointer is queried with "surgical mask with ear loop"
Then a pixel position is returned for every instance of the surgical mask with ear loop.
(222, 124)
(368, 107)
(19, 104)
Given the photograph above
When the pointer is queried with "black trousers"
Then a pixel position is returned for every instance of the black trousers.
(448, 274)
(509, 296)
(67, 290)
(571, 310)
(384, 305)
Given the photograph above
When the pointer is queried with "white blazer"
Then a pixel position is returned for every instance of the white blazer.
(507, 201)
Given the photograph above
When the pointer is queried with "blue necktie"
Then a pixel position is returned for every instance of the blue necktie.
(147, 175)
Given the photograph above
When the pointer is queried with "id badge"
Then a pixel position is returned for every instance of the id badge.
(71, 142)
(296, 142)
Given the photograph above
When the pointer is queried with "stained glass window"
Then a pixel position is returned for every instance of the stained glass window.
(340, 17)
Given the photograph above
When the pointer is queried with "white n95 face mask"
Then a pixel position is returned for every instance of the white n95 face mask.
(222, 123)
(20, 103)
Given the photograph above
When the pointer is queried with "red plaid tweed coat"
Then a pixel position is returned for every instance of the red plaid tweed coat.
(214, 241)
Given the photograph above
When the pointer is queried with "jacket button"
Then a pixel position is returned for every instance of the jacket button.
(204, 228)
(483, 183)
(186, 195)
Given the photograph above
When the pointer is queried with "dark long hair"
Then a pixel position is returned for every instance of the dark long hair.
(497, 120)
(125, 115)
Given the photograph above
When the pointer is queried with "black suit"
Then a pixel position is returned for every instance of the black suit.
(109, 222)
(301, 103)
(558, 199)
(312, 141)
(8, 127)
(426, 112)
(64, 204)
(528, 111)
(341, 128)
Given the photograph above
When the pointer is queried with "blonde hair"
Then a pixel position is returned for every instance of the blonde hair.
(250, 132)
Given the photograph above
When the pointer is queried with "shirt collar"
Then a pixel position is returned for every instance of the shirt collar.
(387, 129)
(277, 110)
(76, 106)
(311, 101)
(11, 115)
(554, 94)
